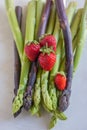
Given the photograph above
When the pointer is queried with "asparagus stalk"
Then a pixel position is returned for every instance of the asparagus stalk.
(30, 24)
(74, 31)
(81, 37)
(37, 92)
(44, 75)
(72, 7)
(14, 26)
(51, 22)
(57, 114)
(70, 14)
(39, 10)
(52, 89)
(76, 22)
(45, 15)
(64, 99)
(71, 10)
(17, 64)
(56, 31)
(42, 28)
(37, 96)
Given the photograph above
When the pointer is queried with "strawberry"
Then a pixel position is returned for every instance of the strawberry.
(47, 59)
(48, 40)
(60, 81)
(32, 50)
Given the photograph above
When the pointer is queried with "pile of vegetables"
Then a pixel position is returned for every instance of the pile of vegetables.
(46, 59)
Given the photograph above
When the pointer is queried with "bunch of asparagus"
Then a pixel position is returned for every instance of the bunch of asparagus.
(35, 87)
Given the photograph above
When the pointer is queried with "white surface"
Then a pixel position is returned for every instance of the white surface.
(77, 112)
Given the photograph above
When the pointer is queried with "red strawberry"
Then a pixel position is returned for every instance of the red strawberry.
(48, 40)
(32, 50)
(47, 61)
(60, 81)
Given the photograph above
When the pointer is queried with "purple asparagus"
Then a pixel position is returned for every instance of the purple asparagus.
(65, 97)
(17, 64)
(28, 100)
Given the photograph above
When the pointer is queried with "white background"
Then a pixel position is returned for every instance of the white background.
(77, 112)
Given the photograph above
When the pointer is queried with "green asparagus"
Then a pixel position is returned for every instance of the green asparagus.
(44, 75)
(37, 92)
(75, 23)
(39, 9)
(14, 26)
(57, 115)
(81, 37)
(51, 22)
(30, 24)
(71, 11)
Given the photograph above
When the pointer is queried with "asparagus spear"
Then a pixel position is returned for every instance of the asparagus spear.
(37, 96)
(37, 92)
(30, 24)
(74, 31)
(14, 26)
(42, 28)
(70, 14)
(64, 99)
(46, 13)
(44, 75)
(17, 64)
(52, 89)
(72, 7)
(81, 37)
(76, 22)
(39, 9)
(57, 114)
(51, 22)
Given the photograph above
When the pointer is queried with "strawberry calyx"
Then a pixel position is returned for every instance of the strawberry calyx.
(47, 50)
(32, 42)
(61, 73)
(40, 38)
